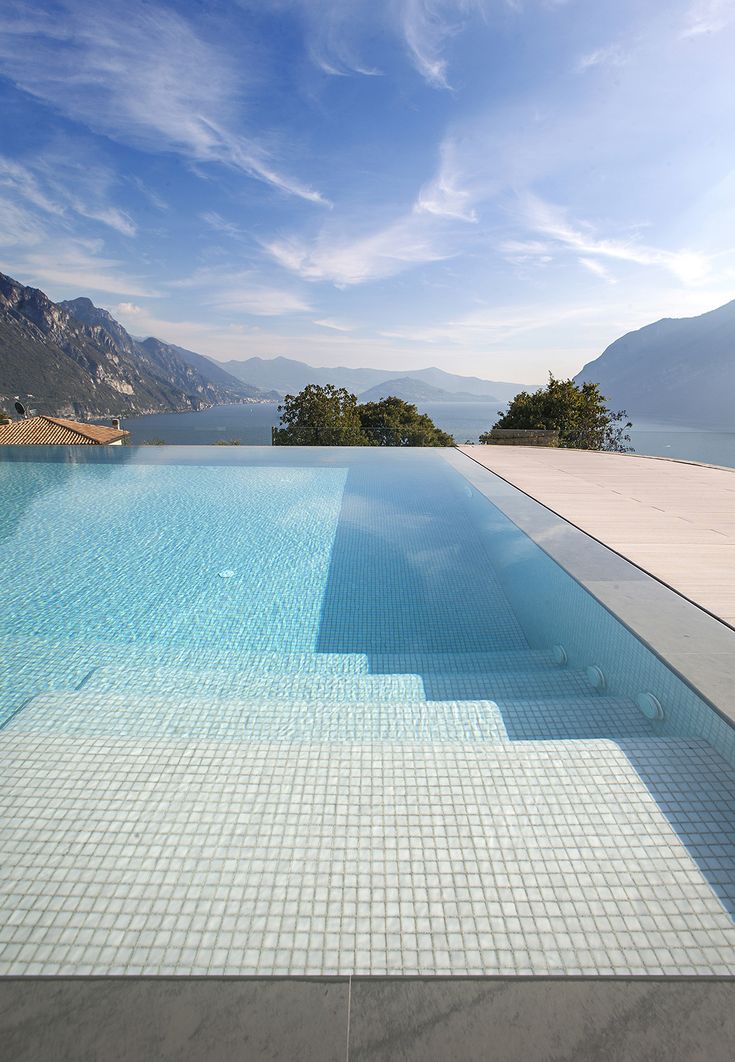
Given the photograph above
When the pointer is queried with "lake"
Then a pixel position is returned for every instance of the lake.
(251, 424)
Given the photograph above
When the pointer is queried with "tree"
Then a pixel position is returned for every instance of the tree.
(319, 416)
(393, 422)
(331, 416)
(578, 413)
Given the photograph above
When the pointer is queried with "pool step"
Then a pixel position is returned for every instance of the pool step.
(21, 675)
(476, 685)
(420, 663)
(175, 683)
(206, 718)
(89, 654)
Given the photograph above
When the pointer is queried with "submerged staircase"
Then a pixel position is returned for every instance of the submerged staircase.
(495, 696)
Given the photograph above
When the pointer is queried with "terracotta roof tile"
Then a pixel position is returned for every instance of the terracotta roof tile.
(51, 431)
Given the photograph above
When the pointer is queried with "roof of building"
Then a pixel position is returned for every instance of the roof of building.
(52, 431)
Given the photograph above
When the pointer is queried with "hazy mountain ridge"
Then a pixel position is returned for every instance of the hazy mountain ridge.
(288, 376)
(214, 371)
(675, 370)
(75, 359)
(412, 390)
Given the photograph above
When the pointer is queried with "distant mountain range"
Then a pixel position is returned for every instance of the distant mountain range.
(74, 359)
(431, 385)
(679, 370)
(412, 390)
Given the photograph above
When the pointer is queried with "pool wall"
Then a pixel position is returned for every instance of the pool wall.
(554, 609)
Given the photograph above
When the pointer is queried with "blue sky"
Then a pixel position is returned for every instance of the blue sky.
(496, 187)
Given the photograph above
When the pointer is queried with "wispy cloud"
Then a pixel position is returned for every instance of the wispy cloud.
(220, 224)
(427, 26)
(340, 32)
(404, 243)
(448, 194)
(76, 266)
(335, 325)
(141, 74)
(608, 55)
(58, 183)
(597, 269)
(233, 292)
(491, 325)
(21, 183)
(38, 230)
(424, 31)
(334, 31)
(426, 232)
(552, 222)
(708, 16)
(148, 193)
(19, 227)
(260, 301)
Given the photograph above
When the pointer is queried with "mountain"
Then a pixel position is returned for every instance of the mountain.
(288, 376)
(414, 390)
(214, 371)
(228, 388)
(75, 359)
(473, 386)
(677, 369)
(181, 368)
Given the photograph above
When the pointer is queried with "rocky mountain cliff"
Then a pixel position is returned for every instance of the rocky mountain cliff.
(74, 359)
(679, 370)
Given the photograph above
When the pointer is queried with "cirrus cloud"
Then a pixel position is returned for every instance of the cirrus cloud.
(141, 74)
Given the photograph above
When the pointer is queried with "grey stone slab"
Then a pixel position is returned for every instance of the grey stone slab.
(518, 1020)
(181, 1019)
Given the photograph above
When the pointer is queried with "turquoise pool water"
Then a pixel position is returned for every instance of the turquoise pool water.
(298, 595)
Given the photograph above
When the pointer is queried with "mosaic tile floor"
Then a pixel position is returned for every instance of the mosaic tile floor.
(164, 857)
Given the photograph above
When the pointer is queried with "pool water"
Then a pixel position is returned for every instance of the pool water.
(265, 600)
(297, 711)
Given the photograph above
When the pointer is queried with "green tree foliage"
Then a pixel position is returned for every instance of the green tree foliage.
(319, 416)
(331, 416)
(393, 422)
(578, 413)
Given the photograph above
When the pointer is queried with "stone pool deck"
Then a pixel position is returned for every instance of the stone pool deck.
(370, 1020)
(674, 519)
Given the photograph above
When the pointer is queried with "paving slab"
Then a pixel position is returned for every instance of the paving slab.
(675, 519)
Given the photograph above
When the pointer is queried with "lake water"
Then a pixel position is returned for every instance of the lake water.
(251, 425)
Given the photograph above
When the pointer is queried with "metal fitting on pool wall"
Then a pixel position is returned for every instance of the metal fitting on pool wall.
(649, 705)
(559, 655)
(596, 677)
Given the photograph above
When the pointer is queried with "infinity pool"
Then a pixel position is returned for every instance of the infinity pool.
(305, 711)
